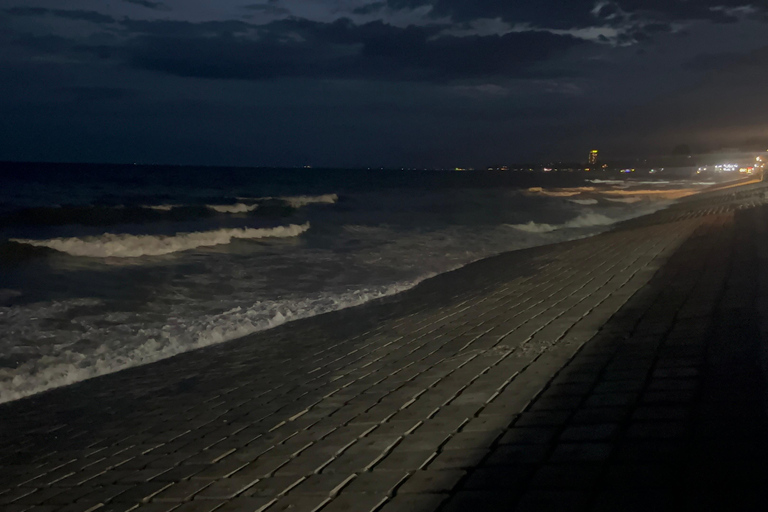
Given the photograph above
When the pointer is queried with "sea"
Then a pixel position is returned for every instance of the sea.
(105, 267)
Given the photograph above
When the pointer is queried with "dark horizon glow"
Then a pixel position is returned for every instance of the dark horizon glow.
(366, 83)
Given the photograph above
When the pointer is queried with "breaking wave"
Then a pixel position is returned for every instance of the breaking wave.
(585, 220)
(584, 201)
(574, 191)
(70, 366)
(627, 200)
(133, 246)
(299, 201)
(232, 208)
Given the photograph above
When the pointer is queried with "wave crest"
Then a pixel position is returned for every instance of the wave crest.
(299, 201)
(585, 220)
(133, 246)
(232, 208)
(70, 366)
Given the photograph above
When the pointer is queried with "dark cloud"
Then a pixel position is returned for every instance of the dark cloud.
(80, 94)
(370, 8)
(91, 16)
(149, 4)
(302, 48)
(557, 14)
(270, 8)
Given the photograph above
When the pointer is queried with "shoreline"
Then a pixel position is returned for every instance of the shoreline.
(427, 282)
(372, 403)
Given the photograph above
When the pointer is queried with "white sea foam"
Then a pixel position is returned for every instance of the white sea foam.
(563, 192)
(161, 207)
(69, 365)
(627, 200)
(534, 227)
(132, 246)
(584, 201)
(585, 220)
(608, 182)
(299, 201)
(232, 208)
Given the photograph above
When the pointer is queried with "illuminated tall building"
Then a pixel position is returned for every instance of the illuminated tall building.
(593, 157)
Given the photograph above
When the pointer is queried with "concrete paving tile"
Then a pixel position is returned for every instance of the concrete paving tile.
(414, 503)
(641, 500)
(420, 441)
(69, 496)
(659, 384)
(515, 454)
(355, 502)
(327, 484)
(199, 506)
(273, 486)
(106, 493)
(442, 425)
(124, 507)
(142, 475)
(481, 500)
(648, 451)
(304, 466)
(498, 478)
(225, 488)
(656, 430)
(432, 481)
(668, 396)
(221, 469)
(155, 507)
(581, 452)
(551, 501)
(612, 399)
(405, 460)
(593, 415)
(551, 402)
(488, 423)
(542, 418)
(472, 440)
(80, 507)
(528, 435)
(661, 413)
(644, 476)
(142, 492)
(181, 491)
(457, 459)
(246, 504)
(398, 428)
(582, 476)
(592, 432)
(376, 482)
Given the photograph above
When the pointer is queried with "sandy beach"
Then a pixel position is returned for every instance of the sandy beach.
(617, 372)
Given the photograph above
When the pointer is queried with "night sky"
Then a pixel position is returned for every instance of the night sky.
(414, 83)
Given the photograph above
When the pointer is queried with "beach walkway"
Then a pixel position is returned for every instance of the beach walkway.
(619, 372)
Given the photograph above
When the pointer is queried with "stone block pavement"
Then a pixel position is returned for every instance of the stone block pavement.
(619, 372)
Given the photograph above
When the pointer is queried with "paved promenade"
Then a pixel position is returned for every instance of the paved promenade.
(620, 372)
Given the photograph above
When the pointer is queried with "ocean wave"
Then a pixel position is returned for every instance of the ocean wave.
(585, 220)
(627, 200)
(69, 366)
(584, 201)
(232, 208)
(299, 201)
(132, 246)
(161, 207)
(110, 215)
(607, 182)
(563, 192)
